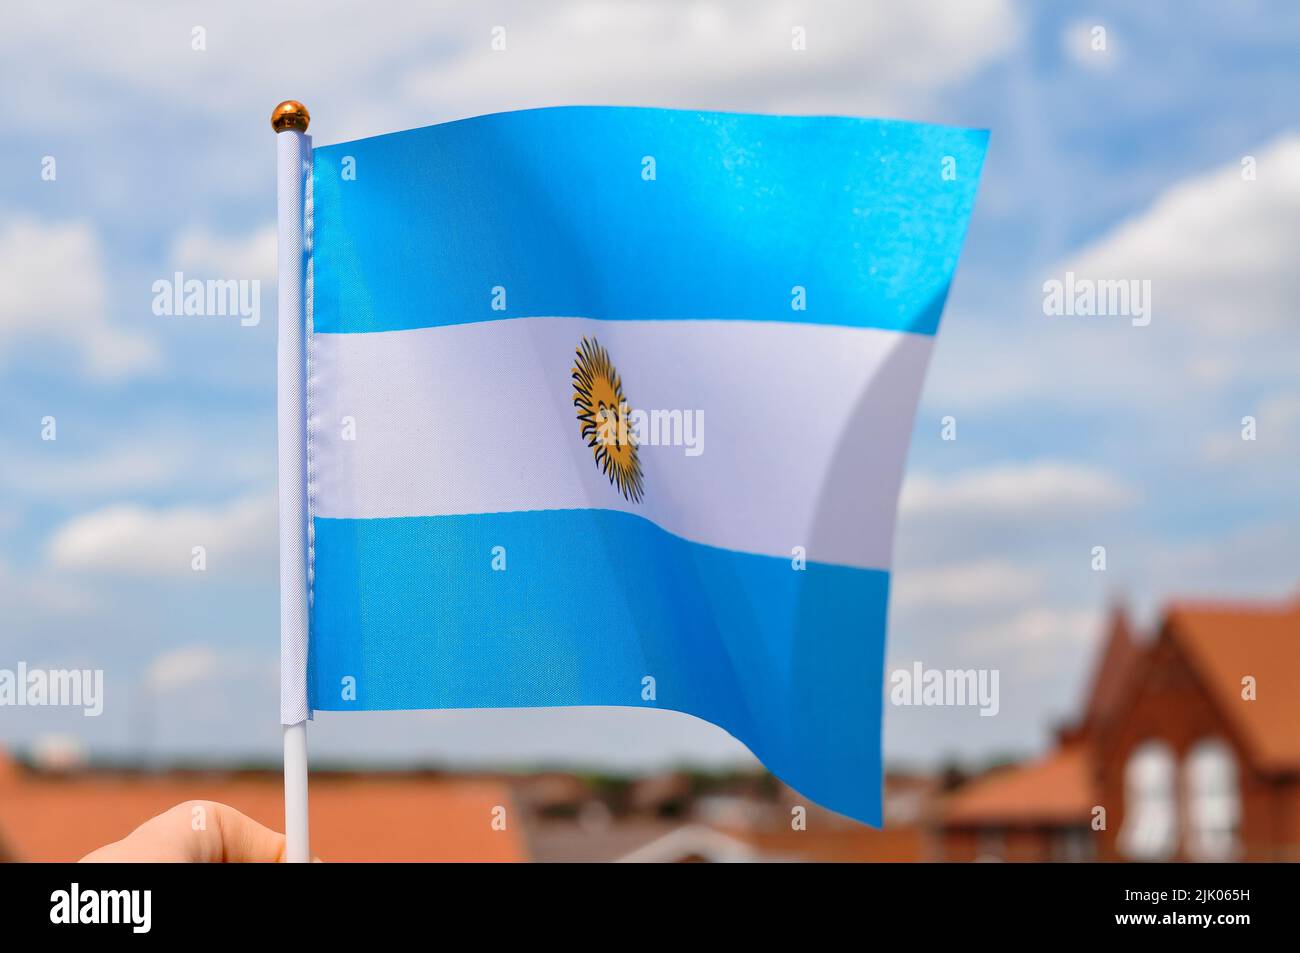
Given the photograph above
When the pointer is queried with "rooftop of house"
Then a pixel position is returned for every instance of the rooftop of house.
(52, 817)
(1222, 644)
(1227, 643)
(1055, 790)
(61, 815)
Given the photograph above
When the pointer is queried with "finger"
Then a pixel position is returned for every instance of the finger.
(196, 832)
(241, 840)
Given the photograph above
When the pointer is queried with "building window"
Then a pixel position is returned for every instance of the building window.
(1150, 830)
(1213, 801)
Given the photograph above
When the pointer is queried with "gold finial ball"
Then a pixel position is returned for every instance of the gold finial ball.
(290, 114)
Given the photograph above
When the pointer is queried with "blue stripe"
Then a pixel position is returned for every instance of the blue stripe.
(591, 602)
(552, 206)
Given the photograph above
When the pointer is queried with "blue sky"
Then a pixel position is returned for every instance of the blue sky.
(1123, 162)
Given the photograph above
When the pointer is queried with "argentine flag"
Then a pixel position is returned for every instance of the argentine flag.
(610, 406)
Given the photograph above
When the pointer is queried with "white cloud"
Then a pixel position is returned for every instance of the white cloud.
(1037, 628)
(1218, 249)
(160, 454)
(200, 253)
(129, 539)
(1038, 643)
(1039, 489)
(859, 58)
(737, 55)
(1259, 560)
(1219, 252)
(244, 52)
(43, 593)
(181, 667)
(1277, 433)
(983, 583)
(53, 285)
(40, 476)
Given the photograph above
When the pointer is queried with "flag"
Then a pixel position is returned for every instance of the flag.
(610, 406)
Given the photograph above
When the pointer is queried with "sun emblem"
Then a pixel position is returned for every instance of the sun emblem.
(603, 414)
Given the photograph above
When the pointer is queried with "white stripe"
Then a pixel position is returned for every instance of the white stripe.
(805, 430)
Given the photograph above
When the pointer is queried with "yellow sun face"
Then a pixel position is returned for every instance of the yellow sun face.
(603, 416)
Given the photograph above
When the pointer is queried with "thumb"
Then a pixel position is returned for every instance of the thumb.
(196, 832)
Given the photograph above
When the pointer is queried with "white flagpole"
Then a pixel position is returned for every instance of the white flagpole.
(297, 840)
(293, 161)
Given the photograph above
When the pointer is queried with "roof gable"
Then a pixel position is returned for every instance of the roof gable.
(1224, 644)
(1119, 661)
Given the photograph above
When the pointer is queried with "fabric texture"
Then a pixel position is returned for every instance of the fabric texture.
(611, 407)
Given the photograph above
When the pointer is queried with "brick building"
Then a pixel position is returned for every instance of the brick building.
(1188, 748)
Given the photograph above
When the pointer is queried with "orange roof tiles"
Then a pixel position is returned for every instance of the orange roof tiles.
(1223, 644)
(1057, 789)
(353, 818)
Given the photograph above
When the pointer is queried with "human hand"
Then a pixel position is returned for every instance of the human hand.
(195, 832)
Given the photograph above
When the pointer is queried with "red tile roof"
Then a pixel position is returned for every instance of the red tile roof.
(1224, 644)
(353, 818)
(1055, 790)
